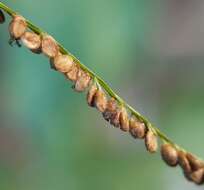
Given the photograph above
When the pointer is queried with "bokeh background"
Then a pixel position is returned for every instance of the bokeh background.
(150, 52)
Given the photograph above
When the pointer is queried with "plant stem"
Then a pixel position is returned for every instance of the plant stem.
(105, 86)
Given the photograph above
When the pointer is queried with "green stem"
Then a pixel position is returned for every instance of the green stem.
(105, 86)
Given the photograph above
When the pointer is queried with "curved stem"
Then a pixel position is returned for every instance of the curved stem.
(105, 86)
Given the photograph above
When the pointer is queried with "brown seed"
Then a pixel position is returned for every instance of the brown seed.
(100, 100)
(124, 120)
(151, 142)
(32, 41)
(82, 82)
(115, 118)
(169, 154)
(73, 73)
(198, 176)
(2, 17)
(17, 27)
(137, 128)
(91, 95)
(194, 162)
(63, 63)
(49, 46)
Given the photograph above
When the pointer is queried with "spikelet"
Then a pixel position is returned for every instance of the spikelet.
(169, 154)
(100, 100)
(2, 17)
(49, 46)
(124, 120)
(137, 128)
(17, 27)
(198, 176)
(62, 63)
(32, 41)
(83, 81)
(194, 162)
(73, 73)
(151, 142)
(91, 95)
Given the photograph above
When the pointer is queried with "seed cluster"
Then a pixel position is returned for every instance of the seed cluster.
(112, 111)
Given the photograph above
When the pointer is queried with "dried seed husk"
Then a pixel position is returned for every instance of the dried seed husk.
(17, 27)
(63, 63)
(91, 95)
(82, 82)
(124, 120)
(169, 154)
(100, 100)
(137, 128)
(194, 162)
(73, 73)
(198, 176)
(115, 118)
(151, 142)
(2, 17)
(32, 41)
(49, 46)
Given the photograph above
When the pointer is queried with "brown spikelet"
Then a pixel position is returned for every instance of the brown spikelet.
(100, 100)
(83, 81)
(137, 128)
(73, 73)
(198, 176)
(49, 46)
(151, 142)
(169, 154)
(32, 41)
(91, 95)
(63, 63)
(17, 27)
(2, 17)
(194, 162)
(124, 120)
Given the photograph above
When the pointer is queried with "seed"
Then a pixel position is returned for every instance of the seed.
(169, 154)
(137, 128)
(73, 73)
(194, 162)
(198, 176)
(91, 95)
(63, 63)
(124, 120)
(82, 82)
(151, 142)
(115, 118)
(17, 27)
(49, 46)
(2, 17)
(32, 41)
(100, 100)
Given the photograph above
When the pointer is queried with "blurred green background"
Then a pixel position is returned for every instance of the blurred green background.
(150, 52)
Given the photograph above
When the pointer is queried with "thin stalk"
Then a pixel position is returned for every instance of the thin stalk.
(100, 81)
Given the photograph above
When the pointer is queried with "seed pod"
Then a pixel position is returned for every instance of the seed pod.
(169, 154)
(151, 142)
(82, 82)
(32, 41)
(73, 73)
(91, 95)
(49, 46)
(2, 17)
(115, 118)
(63, 63)
(124, 120)
(198, 176)
(137, 128)
(194, 162)
(100, 100)
(17, 27)
(184, 163)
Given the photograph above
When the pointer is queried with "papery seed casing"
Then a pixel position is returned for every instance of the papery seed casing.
(169, 154)
(2, 17)
(124, 120)
(63, 63)
(194, 162)
(151, 142)
(49, 46)
(198, 176)
(91, 95)
(137, 128)
(82, 82)
(100, 100)
(73, 73)
(17, 27)
(32, 41)
(115, 118)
